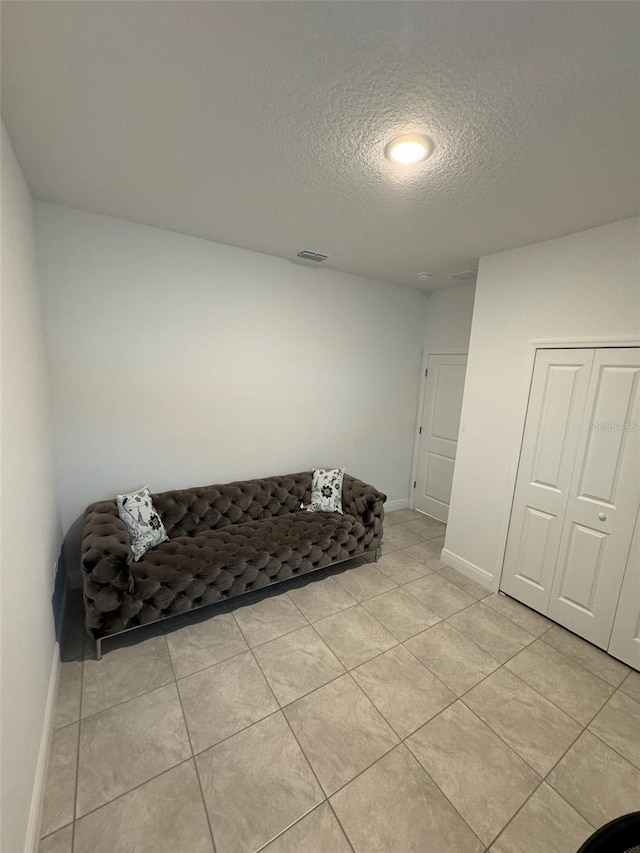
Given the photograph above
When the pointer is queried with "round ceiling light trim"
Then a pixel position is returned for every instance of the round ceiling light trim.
(409, 149)
(424, 276)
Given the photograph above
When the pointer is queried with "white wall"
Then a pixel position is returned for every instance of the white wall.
(585, 287)
(177, 361)
(30, 522)
(449, 317)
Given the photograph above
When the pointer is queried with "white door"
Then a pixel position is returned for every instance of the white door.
(556, 405)
(625, 637)
(603, 500)
(440, 425)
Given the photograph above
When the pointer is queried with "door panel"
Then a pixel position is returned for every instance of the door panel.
(625, 637)
(439, 439)
(613, 401)
(439, 477)
(449, 387)
(556, 404)
(583, 567)
(536, 534)
(603, 500)
(555, 419)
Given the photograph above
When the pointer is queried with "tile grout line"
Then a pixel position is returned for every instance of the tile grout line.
(511, 748)
(179, 695)
(155, 776)
(501, 665)
(240, 731)
(401, 742)
(339, 822)
(279, 708)
(550, 627)
(238, 654)
(553, 702)
(244, 636)
(211, 665)
(446, 618)
(123, 702)
(75, 792)
(325, 798)
(577, 662)
(445, 621)
(436, 785)
(299, 820)
(498, 735)
(488, 591)
(243, 651)
(192, 758)
(131, 790)
(612, 748)
(482, 648)
(584, 727)
(544, 779)
(398, 643)
(517, 812)
(504, 663)
(477, 601)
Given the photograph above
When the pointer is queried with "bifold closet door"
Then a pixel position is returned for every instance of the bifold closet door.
(625, 637)
(603, 500)
(554, 416)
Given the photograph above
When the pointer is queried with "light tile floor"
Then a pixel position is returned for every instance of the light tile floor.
(370, 708)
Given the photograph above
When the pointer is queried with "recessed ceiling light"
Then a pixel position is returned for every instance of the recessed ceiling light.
(407, 150)
(423, 276)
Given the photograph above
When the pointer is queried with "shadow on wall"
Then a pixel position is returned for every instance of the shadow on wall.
(66, 601)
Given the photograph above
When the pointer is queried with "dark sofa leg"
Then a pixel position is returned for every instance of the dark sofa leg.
(98, 649)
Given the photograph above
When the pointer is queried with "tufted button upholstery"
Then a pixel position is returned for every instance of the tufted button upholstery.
(223, 540)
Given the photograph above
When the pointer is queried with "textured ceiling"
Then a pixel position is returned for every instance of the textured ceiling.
(262, 124)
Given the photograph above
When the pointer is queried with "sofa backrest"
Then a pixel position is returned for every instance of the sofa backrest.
(188, 512)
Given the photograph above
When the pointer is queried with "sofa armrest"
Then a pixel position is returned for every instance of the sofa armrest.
(106, 555)
(363, 501)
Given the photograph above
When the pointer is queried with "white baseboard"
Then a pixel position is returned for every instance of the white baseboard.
(32, 839)
(469, 569)
(390, 506)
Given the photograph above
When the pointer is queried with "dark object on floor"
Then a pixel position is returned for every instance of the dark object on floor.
(622, 835)
(223, 541)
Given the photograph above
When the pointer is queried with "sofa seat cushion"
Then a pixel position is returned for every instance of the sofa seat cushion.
(189, 571)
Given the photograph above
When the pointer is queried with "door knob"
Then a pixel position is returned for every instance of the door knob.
(602, 516)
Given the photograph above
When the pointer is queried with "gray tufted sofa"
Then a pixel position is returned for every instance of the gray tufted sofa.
(223, 541)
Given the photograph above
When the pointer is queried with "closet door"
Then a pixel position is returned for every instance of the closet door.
(603, 500)
(554, 417)
(625, 637)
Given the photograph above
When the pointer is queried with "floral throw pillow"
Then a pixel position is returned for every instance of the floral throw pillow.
(326, 490)
(144, 524)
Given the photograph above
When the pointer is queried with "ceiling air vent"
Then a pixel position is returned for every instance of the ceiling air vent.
(316, 257)
(466, 276)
